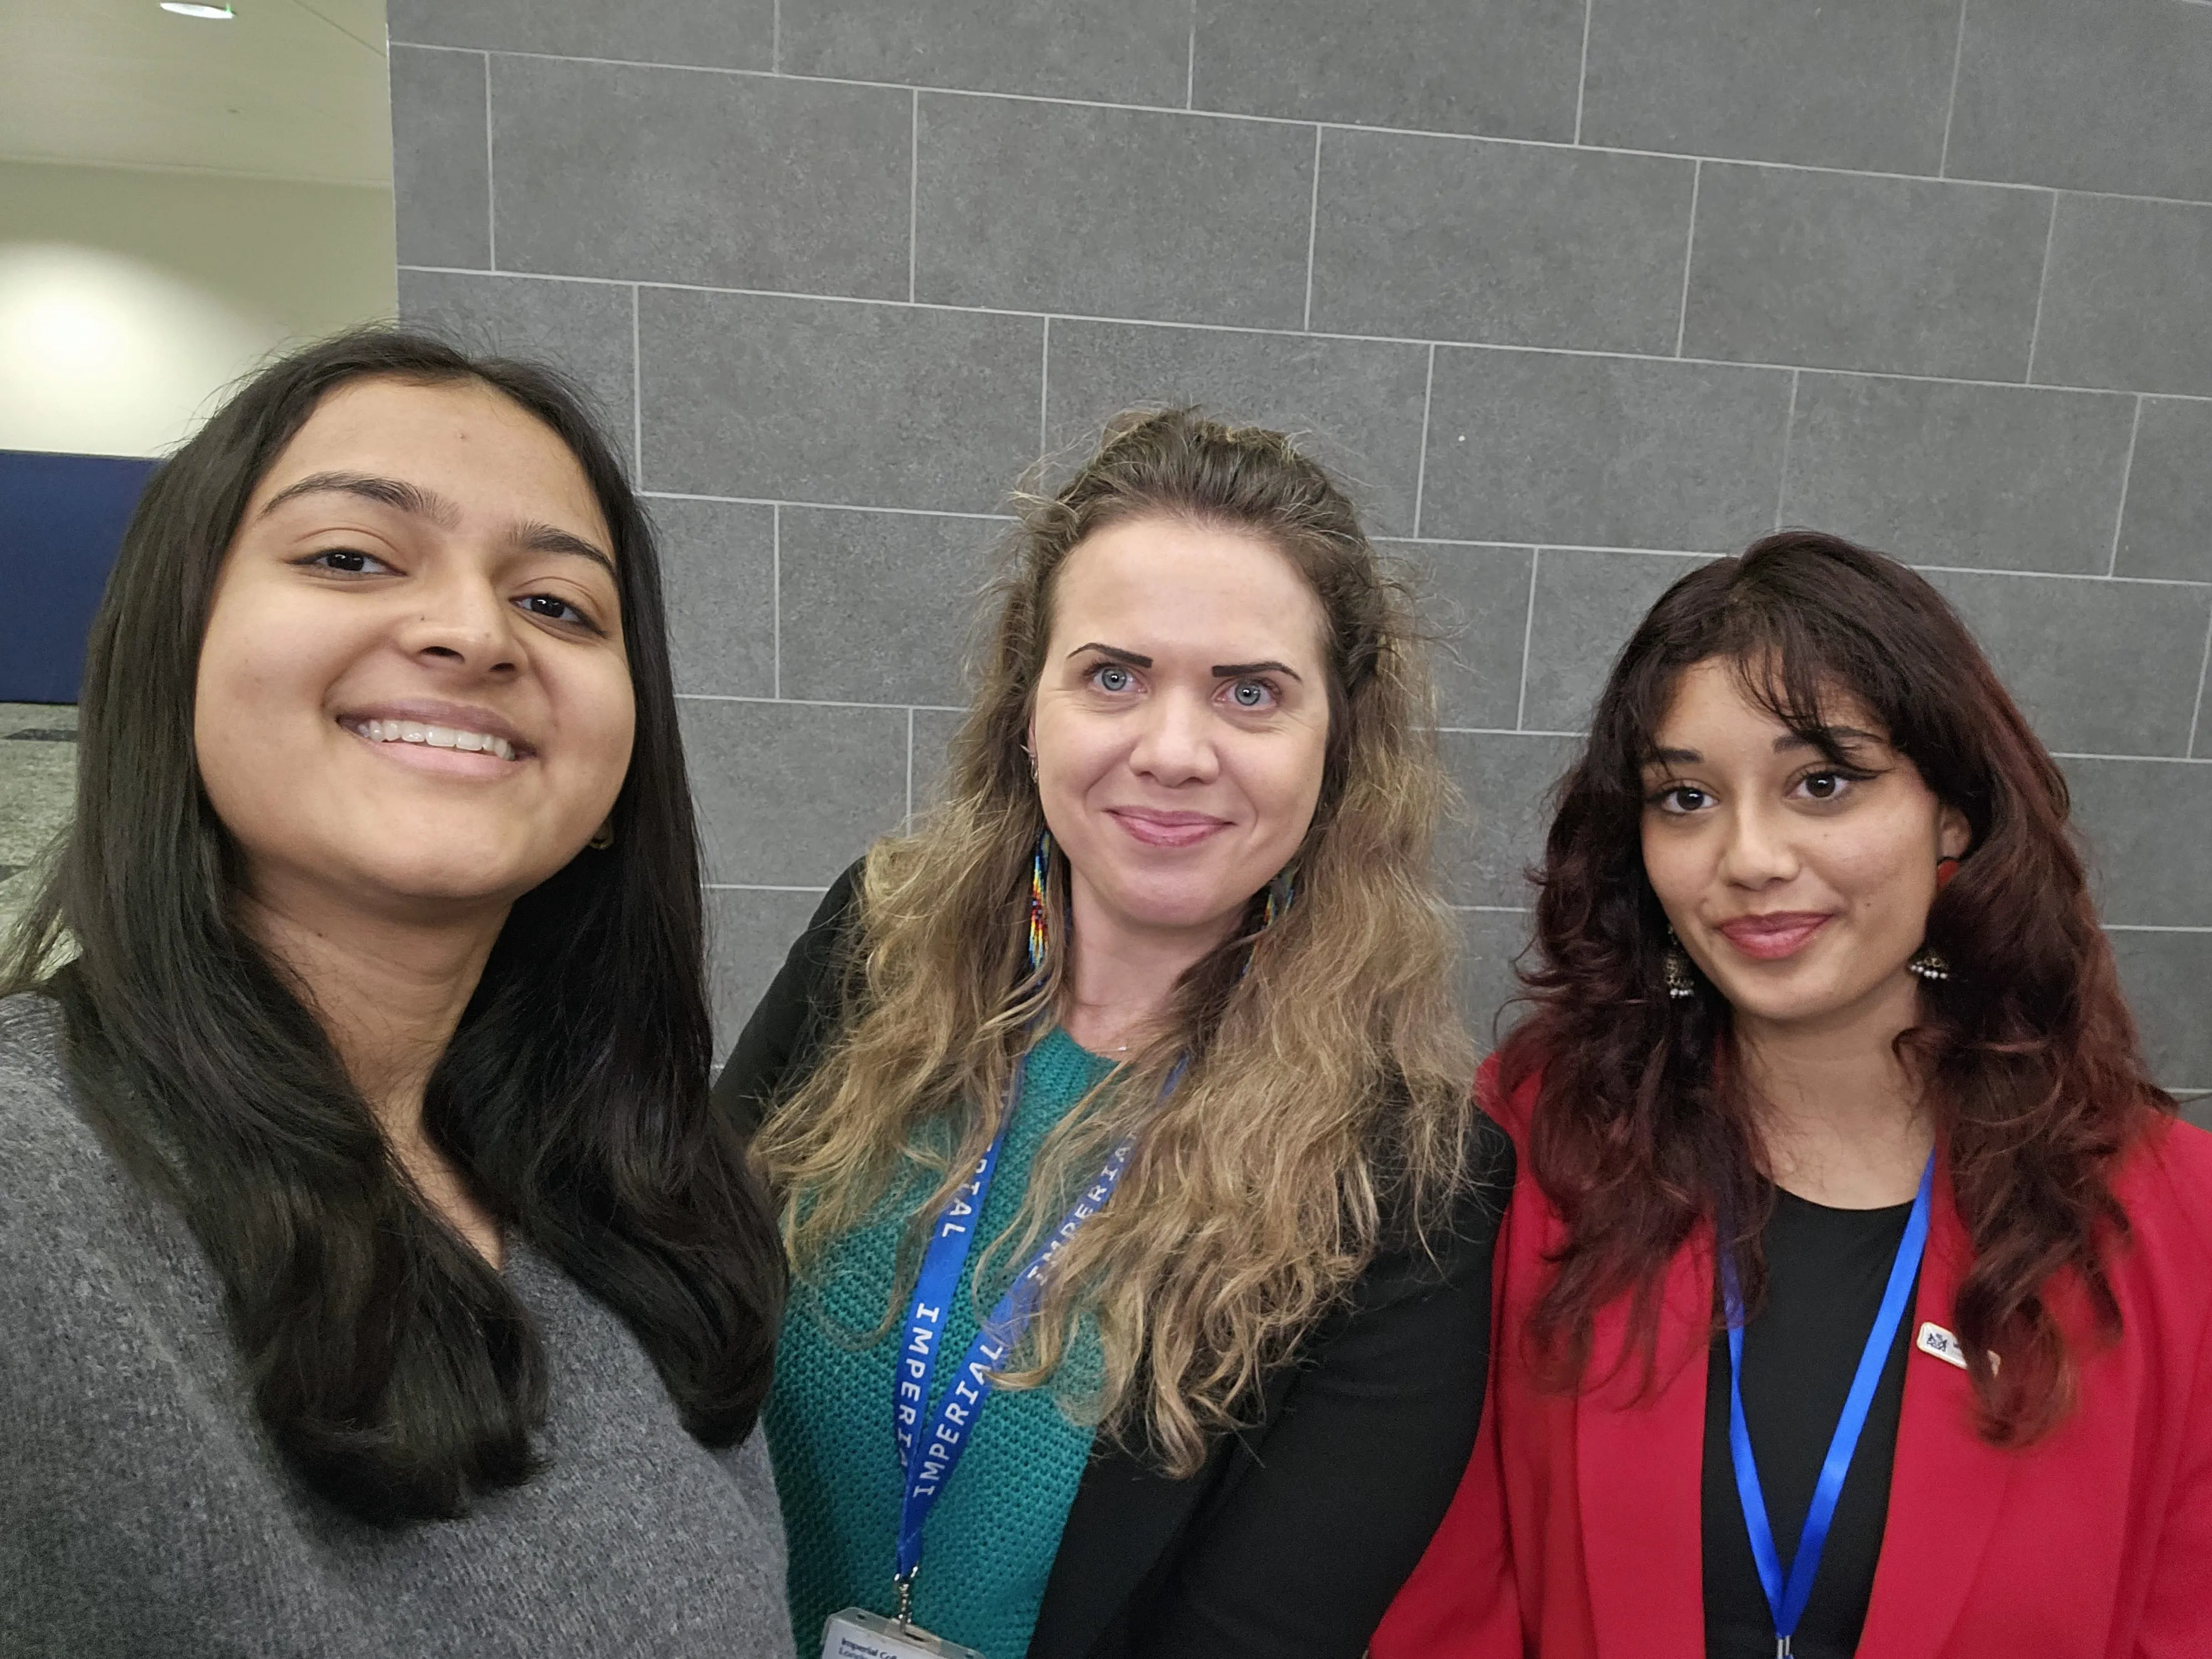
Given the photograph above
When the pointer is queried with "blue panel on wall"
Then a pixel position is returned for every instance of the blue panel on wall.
(62, 519)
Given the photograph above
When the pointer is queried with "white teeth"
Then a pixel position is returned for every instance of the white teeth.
(437, 737)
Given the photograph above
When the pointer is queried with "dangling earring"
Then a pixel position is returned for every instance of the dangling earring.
(603, 837)
(1280, 892)
(1927, 962)
(1040, 867)
(1031, 754)
(1681, 978)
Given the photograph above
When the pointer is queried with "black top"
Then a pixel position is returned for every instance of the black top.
(1291, 1541)
(1826, 1270)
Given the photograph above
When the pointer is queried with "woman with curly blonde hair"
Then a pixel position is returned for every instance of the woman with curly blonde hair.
(1155, 1012)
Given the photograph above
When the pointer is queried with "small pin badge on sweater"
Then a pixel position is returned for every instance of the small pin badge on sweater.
(1933, 1339)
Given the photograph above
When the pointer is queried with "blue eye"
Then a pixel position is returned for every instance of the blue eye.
(1112, 677)
(1250, 694)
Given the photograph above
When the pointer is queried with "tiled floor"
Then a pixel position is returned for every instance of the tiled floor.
(37, 775)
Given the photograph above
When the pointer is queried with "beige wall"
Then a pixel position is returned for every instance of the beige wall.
(128, 299)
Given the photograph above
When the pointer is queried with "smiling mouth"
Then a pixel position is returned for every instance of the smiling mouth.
(434, 736)
(1772, 938)
(1167, 828)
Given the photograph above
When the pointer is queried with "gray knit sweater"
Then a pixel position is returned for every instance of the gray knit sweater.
(144, 1512)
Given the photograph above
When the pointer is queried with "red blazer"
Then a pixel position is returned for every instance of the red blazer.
(1575, 1530)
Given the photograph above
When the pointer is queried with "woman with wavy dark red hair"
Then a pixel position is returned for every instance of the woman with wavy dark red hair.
(1856, 1294)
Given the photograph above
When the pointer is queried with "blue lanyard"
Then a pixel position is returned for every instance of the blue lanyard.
(1786, 1600)
(929, 1466)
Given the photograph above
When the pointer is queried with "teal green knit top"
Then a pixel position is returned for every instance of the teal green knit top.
(990, 1543)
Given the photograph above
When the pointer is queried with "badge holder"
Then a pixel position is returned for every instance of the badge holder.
(856, 1633)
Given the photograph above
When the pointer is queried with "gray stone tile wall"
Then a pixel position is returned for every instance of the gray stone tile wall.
(1573, 291)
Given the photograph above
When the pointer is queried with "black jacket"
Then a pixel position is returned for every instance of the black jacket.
(1292, 1539)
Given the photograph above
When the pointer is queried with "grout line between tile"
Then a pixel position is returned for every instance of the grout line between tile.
(1282, 121)
(909, 824)
(1788, 429)
(818, 702)
(1951, 105)
(775, 38)
(1421, 466)
(1527, 634)
(775, 603)
(491, 190)
(1547, 731)
(1582, 72)
(949, 708)
(2127, 478)
(1552, 545)
(1190, 62)
(2064, 576)
(1555, 546)
(2042, 286)
(1463, 541)
(2161, 760)
(2149, 927)
(2204, 678)
(1689, 252)
(1313, 228)
(1503, 731)
(1044, 389)
(1317, 334)
(636, 393)
(832, 507)
(753, 887)
(913, 193)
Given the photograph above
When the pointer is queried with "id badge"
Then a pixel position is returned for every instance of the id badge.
(856, 1633)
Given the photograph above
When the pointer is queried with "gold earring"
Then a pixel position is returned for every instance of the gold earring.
(603, 837)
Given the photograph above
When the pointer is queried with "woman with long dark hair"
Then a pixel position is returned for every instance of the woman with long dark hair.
(1119, 1113)
(1857, 1292)
(378, 1279)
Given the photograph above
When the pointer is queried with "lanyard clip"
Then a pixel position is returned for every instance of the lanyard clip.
(904, 1582)
(1782, 1647)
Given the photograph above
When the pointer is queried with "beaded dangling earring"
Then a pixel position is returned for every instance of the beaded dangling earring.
(1681, 979)
(1040, 867)
(1279, 894)
(1928, 961)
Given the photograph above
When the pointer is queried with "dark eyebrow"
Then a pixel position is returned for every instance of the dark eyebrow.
(547, 538)
(1782, 744)
(1134, 658)
(413, 499)
(1836, 733)
(388, 492)
(1236, 670)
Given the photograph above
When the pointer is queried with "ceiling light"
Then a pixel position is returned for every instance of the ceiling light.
(185, 9)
